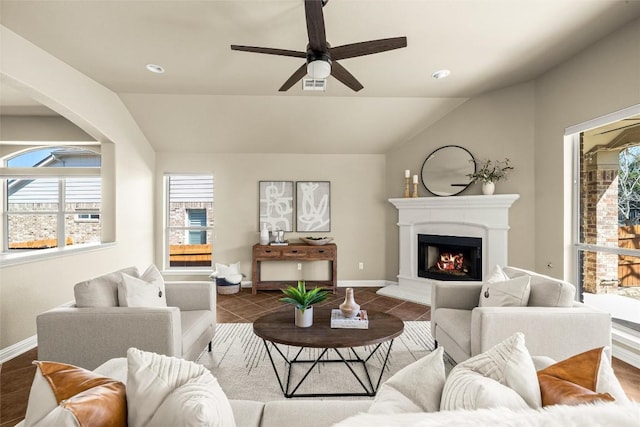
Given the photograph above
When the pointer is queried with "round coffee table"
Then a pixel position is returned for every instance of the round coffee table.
(279, 328)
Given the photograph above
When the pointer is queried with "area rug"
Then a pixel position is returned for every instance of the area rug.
(241, 364)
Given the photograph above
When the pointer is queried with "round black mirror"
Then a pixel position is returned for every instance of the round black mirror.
(445, 170)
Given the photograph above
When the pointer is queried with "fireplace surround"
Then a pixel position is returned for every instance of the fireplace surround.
(479, 217)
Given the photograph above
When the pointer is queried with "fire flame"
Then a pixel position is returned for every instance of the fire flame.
(450, 261)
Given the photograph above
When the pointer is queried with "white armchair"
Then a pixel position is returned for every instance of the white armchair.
(89, 336)
(553, 323)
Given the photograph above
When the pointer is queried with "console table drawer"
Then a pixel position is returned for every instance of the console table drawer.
(267, 252)
(320, 252)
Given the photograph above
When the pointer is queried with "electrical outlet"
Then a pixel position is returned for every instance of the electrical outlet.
(361, 265)
(299, 266)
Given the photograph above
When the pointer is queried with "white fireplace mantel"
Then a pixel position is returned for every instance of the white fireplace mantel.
(486, 217)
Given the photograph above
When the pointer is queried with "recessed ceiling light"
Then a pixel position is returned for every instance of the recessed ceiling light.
(155, 68)
(440, 74)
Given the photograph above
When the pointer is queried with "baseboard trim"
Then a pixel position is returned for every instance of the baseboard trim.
(347, 283)
(626, 346)
(18, 348)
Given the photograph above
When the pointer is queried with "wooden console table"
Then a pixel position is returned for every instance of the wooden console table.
(294, 252)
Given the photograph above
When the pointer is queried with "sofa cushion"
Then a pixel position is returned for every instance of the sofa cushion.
(163, 390)
(101, 291)
(585, 377)
(507, 363)
(457, 324)
(153, 276)
(194, 323)
(316, 413)
(65, 395)
(135, 292)
(545, 291)
(247, 413)
(506, 293)
(415, 388)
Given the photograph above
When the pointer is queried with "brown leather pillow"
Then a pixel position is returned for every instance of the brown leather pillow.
(94, 400)
(573, 380)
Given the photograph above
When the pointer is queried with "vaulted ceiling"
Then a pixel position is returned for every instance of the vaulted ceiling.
(213, 99)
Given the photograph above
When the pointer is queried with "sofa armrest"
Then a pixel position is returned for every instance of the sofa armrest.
(88, 337)
(188, 296)
(556, 332)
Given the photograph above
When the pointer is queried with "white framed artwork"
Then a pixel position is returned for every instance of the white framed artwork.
(276, 205)
(313, 206)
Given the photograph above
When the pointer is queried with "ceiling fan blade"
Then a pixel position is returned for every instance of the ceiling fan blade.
(295, 78)
(269, 51)
(367, 48)
(315, 25)
(341, 74)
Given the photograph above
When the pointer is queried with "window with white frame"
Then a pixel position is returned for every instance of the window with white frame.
(189, 221)
(46, 192)
(607, 217)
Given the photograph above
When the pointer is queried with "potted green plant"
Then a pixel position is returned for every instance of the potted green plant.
(303, 301)
(488, 172)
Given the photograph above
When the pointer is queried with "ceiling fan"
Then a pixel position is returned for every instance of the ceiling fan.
(321, 58)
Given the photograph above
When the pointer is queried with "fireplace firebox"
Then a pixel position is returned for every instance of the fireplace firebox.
(449, 257)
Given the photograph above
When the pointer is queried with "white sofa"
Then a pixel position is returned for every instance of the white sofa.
(554, 324)
(88, 336)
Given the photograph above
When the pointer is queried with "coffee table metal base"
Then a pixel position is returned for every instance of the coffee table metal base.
(290, 390)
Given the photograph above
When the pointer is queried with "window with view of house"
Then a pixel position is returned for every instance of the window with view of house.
(189, 219)
(52, 198)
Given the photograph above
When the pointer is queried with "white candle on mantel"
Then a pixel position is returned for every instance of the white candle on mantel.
(415, 179)
(407, 173)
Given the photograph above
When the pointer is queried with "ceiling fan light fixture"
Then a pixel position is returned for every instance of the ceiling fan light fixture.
(319, 69)
(441, 74)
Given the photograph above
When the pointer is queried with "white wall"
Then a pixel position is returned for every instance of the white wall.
(28, 289)
(358, 203)
(491, 126)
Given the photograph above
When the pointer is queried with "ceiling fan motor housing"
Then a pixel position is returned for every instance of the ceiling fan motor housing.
(318, 64)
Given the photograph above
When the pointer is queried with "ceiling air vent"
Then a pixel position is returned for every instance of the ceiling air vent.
(314, 84)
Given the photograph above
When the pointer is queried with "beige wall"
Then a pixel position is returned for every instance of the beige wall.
(602, 79)
(30, 288)
(40, 128)
(358, 204)
(494, 126)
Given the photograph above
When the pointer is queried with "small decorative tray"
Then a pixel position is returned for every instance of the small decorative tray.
(316, 241)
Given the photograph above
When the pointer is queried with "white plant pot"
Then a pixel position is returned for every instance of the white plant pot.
(304, 319)
(488, 188)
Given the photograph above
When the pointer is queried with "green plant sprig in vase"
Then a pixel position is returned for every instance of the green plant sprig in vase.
(303, 301)
(488, 172)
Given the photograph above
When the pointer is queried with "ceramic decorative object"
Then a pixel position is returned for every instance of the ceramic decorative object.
(349, 307)
(316, 241)
(264, 235)
(488, 188)
(304, 318)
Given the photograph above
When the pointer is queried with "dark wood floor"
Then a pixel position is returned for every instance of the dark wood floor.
(16, 375)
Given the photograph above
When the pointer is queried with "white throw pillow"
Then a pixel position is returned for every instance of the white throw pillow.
(497, 275)
(153, 276)
(101, 291)
(508, 363)
(163, 390)
(508, 293)
(224, 271)
(134, 292)
(415, 388)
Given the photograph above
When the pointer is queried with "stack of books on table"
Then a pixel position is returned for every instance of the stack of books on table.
(360, 321)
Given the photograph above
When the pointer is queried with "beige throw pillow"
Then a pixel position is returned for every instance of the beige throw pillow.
(101, 291)
(415, 388)
(508, 293)
(133, 292)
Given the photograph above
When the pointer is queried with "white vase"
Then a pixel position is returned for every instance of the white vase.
(304, 319)
(349, 308)
(264, 235)
(488, 188)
